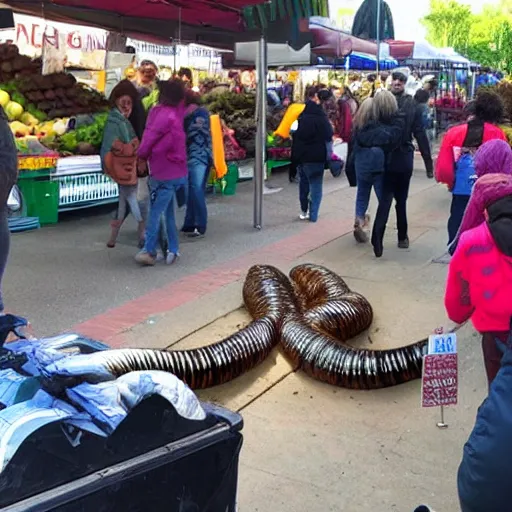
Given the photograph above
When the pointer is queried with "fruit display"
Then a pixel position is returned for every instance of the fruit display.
(63, 114)
(238, 111)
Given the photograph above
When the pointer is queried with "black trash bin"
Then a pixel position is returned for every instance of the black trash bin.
(154, 461)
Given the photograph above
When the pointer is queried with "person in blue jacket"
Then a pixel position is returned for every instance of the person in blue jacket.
(483, 479)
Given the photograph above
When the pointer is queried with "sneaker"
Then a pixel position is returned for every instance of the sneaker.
(304, 216)
(159, 256)
(195, 234)
(430, 175)
(171, 258)
(145, 259)
(403, 244)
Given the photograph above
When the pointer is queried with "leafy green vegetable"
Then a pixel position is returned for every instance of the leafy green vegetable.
(69, 142)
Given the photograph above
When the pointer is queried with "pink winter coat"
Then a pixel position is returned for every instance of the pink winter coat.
(164, 143)
(480, 282)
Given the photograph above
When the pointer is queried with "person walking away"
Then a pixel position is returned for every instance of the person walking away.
(164, 147)
(310, 141)
(493, 157)
(199, 161)
(8, 176)
(480, 273)
(378, 131)
(118, 155)
(397, 180)
(422, 99)
(455, 163)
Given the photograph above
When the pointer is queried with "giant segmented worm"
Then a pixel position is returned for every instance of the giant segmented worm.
(313, 315)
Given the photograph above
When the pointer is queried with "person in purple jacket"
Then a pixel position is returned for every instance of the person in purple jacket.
(164, 147)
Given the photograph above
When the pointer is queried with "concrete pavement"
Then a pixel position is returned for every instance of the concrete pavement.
(308, 446)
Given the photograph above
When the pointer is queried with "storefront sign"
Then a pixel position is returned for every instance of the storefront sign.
(31, 33)
(36, 163)
(439, 380)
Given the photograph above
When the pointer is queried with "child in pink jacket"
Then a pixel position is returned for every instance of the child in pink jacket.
(479, 282)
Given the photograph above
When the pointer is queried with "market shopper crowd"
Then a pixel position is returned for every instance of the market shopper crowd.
(164, 160)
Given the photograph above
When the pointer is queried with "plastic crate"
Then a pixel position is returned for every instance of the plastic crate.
(42, 199)
(227, 185)
(155, 461)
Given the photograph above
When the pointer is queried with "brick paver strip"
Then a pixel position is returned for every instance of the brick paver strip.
(108, 326)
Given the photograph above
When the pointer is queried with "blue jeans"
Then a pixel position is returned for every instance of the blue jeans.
(197, 214)
(365, 182)
(457, 210)
(162, 195)
(310, 188)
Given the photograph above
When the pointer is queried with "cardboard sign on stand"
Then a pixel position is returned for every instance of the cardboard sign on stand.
(439, 383)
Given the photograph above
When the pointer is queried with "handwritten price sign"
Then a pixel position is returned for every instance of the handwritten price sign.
(442, 343)
(439, 383)
(35, 163)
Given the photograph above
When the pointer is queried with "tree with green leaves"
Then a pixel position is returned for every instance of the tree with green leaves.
(485, 37)
(448, 24)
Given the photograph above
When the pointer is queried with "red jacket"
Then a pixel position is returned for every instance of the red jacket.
(454, 137)
(479, 282)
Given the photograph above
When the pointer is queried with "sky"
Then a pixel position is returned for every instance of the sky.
(406, 19)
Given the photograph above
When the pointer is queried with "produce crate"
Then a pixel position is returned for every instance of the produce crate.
(155, 461)
(227, 185)
(42, 199)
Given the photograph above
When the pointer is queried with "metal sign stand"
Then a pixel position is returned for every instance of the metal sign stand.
(442, 425)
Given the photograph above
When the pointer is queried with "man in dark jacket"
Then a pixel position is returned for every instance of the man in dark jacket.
(309, 150)
(8, 176)
(397, 180)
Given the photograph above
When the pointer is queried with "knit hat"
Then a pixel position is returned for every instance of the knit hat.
(487, 190)
(493, 157)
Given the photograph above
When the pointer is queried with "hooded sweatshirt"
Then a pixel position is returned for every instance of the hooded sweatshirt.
(164, 143)
(493, 157)
(479, 282)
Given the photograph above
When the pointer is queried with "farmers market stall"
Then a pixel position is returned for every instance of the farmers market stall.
(54, 117)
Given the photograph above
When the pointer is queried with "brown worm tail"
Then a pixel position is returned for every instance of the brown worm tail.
(326, 359)
(203, 367)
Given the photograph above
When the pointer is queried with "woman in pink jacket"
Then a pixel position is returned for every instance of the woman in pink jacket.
(480, 274)
(164, 147)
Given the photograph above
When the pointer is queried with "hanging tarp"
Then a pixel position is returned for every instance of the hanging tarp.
(365, 21)
(282, 11)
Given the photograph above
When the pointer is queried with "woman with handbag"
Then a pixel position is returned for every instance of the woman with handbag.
(119, 154)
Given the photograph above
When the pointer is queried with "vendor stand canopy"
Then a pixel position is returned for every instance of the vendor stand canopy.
(421, 52)
(201, 21)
